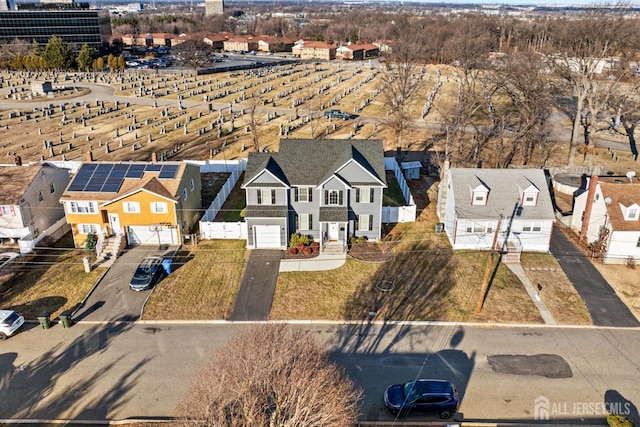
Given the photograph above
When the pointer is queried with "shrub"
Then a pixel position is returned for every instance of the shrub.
(307, 250)
(297, 238)
(293, 251)
(90, 243)
(315, 247)
(617, 420)
(630, 262)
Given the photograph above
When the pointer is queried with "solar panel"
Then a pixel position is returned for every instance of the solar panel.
(135, 171)
(93, 186)
(79, 186)
(121, 167)
(103, 170)
(153, 167)
(89, 166)
(111, 188)
(168, 171)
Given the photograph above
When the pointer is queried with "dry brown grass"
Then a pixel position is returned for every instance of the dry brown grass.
(53, 280)
(562, 299)
(204, 284)
(431, 283)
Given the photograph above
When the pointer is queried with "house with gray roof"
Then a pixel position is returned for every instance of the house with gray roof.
(474, 204)
(330, 190)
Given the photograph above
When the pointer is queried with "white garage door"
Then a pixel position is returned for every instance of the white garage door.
(267, 236)
(142, 235)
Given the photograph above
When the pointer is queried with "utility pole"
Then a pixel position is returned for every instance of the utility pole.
(485, 280)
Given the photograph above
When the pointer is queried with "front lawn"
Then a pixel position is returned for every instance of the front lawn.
(51, 280)
(203, 285)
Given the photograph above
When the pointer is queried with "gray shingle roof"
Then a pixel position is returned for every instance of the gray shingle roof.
(503, 193)
(266, 211)
(312, 161)
(333, 214)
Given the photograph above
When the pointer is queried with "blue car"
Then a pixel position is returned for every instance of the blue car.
(422, 396)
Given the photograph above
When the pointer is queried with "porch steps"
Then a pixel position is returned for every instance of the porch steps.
(333, 248)
(512, 255)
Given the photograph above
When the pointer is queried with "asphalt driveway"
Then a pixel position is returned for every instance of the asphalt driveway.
(258, 285)
(111, 299)
(605, 307)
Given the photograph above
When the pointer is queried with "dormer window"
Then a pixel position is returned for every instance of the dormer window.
(528, 193)
(632, 213)
(479, 197)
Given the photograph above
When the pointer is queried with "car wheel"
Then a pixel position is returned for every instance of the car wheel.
(3, 336)
(445, 414)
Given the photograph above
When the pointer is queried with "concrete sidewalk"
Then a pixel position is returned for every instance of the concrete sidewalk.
(320, 263)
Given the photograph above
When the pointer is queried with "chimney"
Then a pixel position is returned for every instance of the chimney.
(593, 183)
(154, 157)
(17, 160)
(89, 156)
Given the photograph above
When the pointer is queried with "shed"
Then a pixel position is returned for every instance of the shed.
(411, 170)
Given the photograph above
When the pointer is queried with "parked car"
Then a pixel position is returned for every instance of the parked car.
(148, 273)
(422, 396)
(337, 114)
(10, 322)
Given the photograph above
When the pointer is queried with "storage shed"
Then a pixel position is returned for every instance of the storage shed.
(411, 170)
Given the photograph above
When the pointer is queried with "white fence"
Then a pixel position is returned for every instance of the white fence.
(223, 230)
(398, 214)
(391, 164)
(237, 170)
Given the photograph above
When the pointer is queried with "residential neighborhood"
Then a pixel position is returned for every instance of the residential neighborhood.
(314, 214)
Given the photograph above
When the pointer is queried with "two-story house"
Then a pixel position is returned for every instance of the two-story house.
(29, 206)
(473, 203)
(146, 202)
(330, 190)
(608, 211)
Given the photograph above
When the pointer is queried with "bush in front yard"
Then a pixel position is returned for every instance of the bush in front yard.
(298, 239)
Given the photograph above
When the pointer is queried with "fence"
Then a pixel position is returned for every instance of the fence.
(390, 163)
(222, 230)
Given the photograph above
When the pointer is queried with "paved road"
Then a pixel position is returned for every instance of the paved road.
(111, 299)
(604, 305)
(125, 370)
(258, 286)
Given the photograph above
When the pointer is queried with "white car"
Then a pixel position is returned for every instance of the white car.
(10, 322)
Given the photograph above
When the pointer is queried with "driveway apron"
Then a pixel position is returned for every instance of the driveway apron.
(258, 286)
(605, 307)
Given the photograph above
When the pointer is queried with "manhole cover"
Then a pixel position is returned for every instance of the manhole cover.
(386, 285)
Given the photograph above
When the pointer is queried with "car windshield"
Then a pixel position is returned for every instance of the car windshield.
(10, 319)
(142, 273)
(411, 391)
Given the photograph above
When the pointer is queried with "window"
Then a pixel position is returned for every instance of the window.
(159, 207)
(40, 197)
(632, 213)
(304, 222)
(131, 207)
(192, 185)
(52, 188)
(480, 227)
(529, 199)
(266, 197)
(531, 227)
(7, 210)
(332, 197)
(184, 194)
(303, 194)
(364, 195)
(365, 222)
(82, 207)
(479, 197)
(87, 228)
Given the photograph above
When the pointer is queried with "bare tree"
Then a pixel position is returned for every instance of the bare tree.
(193, 53)
(255, 123)
(401, 81)
(271, 375)
(581, 47)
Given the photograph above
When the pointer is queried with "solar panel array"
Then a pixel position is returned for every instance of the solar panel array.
(108, 177)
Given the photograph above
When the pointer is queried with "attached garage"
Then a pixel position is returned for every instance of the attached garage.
(146, 235)
(267, 237)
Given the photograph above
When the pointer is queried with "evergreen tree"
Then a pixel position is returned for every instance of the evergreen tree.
(85, 57)
(57, 54)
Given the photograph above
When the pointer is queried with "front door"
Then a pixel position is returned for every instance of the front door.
(334, 231)
(114, 223)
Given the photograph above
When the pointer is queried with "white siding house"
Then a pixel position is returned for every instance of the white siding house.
(473, 202)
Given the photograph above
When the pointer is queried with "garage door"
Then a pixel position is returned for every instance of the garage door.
(267, 236)
(142, 235)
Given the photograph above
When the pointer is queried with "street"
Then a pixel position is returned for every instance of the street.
(95, 371)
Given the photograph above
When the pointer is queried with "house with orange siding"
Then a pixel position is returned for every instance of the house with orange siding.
(142, 202)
